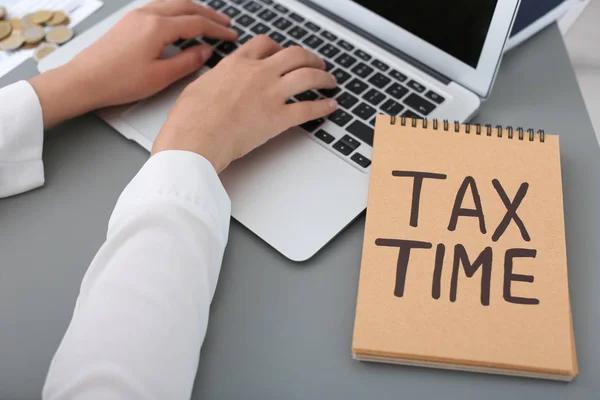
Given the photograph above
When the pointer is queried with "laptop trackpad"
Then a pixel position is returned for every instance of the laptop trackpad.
(148, 116)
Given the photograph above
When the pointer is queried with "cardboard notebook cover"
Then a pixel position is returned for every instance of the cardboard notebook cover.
(464, 263)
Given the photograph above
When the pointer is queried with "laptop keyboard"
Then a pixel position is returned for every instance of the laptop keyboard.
(366, 86)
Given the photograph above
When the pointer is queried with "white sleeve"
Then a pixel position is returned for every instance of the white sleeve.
(21, 139)
(142, 311)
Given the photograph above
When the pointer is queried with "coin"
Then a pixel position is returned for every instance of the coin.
(29, 46)
(2, 12)
(28, 21)
(41, 17)
(5, 29)
(43, 51)
(16, 24)
(59, 18)
(12, 43)
(34, 34)
(59, 35)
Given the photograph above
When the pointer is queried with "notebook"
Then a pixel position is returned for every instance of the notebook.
(464, 262)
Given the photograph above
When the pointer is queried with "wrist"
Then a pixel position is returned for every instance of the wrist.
(64, 93)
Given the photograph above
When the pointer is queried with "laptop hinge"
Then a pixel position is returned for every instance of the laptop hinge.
(378, 42)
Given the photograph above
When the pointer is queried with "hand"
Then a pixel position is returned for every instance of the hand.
(241, 103)
(125, 65)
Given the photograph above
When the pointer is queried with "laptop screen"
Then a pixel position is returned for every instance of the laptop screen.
(457, 27)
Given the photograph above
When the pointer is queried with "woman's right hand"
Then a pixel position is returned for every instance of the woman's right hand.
(241, 103)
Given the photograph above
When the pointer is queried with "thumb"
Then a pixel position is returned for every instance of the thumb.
(188, 61)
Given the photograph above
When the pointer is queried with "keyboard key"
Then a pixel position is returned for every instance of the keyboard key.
(312, 126)
(346, 100)
(340, 117)
(239, 30)
(328, 66)
(341, 76)
(362, 70)
(397, 91)
(282, 24)
(380, 65)
(297, 32)
(328, 35)
(330, 93)
(179, 42)
(420, 104)
(245, 38)
(312, 27)
(245, 20)
(276, 36)
(267, 2)
(253, 6)
(290, 101)
(416, 86)
(361, 160)
(281, 8)
(267, 15)
(216, 4)
(329, 51)
(296, 17)
(345, 45)
(213, 60)
(227, 47)
(309, 95)
(435, 97)
(398, 75)
(313, 41)
(374, 97)
(290, 43)
(362, 131)
(362, 55)
(346, 60)
(410, 114)
(390, 107)
(380, 80)
(189, 44)
(350, 142)
(211, 41)
(357, 86)
(373, 121)
(364, 111)
(324, 136)
(342, 147)
(260, 28)
(238, 2)
(231, 11)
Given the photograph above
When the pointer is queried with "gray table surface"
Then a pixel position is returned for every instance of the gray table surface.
(279, 329)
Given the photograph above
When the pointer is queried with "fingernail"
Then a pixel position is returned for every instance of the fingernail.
(332, 104)
(334, 78)
(206, 52)
(234, 32)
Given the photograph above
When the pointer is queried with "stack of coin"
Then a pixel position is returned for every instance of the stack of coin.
(43, 30)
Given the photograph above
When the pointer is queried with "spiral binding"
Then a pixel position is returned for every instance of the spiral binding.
(479, 129)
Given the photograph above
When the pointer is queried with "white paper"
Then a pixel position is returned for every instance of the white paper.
(77, 10)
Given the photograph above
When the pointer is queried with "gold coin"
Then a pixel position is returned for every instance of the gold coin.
(16, 24)
(29, 46)
(5, 29)
(59, 18)
(2, 12)
(43, 51)
(12, 43)
(34, 34)
(41, 17)
(59, 35)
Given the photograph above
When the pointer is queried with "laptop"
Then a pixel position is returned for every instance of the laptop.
(420, 59)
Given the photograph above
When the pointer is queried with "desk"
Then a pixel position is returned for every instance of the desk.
(279, 329)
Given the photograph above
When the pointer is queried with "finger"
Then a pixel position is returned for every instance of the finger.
(295, 57)
(183, 64)
(176, 8)
(304, 79)
(304, 111)
(259, 48)
(191, 26)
